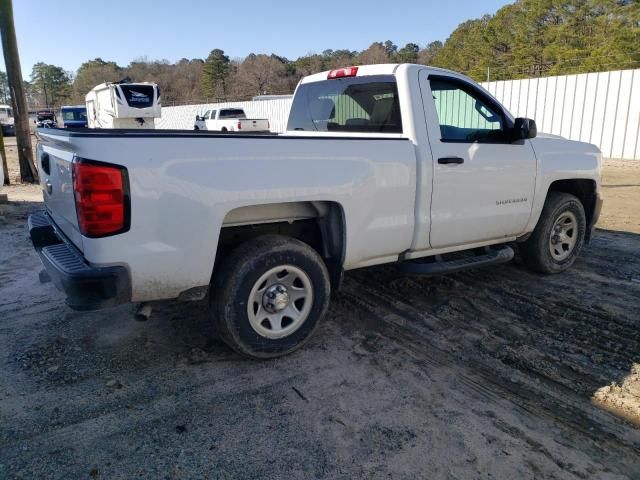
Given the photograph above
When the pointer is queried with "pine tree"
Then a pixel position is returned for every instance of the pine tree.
(215, 72)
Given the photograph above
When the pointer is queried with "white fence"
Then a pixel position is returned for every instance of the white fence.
(600, 108)
(276, 110)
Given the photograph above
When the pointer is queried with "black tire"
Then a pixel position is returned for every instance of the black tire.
(237, 275)
(196, 127)
(224, 129)
(536, 251)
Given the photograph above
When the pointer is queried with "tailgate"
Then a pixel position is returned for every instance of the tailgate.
(254, 124)
(54, 157)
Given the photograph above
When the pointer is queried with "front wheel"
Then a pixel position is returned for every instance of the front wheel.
(558, 237)
(269, 295)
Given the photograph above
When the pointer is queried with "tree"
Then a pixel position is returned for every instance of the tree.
(92, 73)
(51, 83)
(28, 172)
(187, 81)
(427, 54)
(261, 74)
(376, 53)
(215, 72)
(546, 37)
(466, 50)
(391, 48)
(162, 72)
(408, 53)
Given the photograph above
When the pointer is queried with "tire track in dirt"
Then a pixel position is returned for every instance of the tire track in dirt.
(552, 384)
(495, 365)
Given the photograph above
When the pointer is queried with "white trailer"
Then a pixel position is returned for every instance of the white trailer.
(7, 120)
(123, 105)
(6, 114)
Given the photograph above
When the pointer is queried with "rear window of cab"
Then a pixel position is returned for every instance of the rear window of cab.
(367, 104)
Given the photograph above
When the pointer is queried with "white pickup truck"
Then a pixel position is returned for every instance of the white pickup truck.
(381, 163)
(230, 120)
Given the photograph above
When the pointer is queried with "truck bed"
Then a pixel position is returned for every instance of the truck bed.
(184, 183)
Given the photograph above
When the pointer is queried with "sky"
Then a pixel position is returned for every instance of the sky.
(70, 32)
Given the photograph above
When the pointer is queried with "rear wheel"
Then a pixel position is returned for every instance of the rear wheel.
(269, 295)
(558, 237)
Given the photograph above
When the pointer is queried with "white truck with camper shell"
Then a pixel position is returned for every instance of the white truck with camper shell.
(381, 163)
(230, 120)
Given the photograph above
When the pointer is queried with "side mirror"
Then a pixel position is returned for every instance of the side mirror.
(199, 118)
(524, 128)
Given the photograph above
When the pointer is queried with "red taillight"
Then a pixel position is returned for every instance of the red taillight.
(101, 198)
(239, 125)
(342, 73)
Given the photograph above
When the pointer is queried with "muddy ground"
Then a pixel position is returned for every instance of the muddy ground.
(493, 373)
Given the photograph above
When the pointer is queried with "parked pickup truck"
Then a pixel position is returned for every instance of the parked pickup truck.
(381, 163)
(229, 120)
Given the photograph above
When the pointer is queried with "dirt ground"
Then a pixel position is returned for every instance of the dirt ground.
(492, 373)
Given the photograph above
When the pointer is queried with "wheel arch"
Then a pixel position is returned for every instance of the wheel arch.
(320, 224)
(586, 191)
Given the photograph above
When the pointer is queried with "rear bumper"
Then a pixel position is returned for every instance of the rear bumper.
(87, 287)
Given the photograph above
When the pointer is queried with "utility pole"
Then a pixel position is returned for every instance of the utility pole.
(28, 172)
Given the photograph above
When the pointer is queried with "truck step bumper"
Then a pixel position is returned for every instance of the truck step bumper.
(86, 286)
(440, 266)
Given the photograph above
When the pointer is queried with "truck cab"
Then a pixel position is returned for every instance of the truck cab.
(74, 116)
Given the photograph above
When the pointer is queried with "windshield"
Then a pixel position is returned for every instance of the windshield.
(44, 116)
(78, 114)
(232, 113)
(6, 112)
(358, 104)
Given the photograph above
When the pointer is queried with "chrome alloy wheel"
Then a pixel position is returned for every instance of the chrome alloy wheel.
(280, 301)
(564, 236)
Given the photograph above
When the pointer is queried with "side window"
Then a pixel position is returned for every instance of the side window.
(464, 115)
(207, 115)
(213, 114)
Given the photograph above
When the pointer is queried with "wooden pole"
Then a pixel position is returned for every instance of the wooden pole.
(28, 172)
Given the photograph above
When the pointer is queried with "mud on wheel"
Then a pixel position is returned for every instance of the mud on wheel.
(268, 296)
(558, 237)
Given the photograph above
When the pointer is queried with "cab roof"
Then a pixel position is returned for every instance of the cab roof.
(378, 69)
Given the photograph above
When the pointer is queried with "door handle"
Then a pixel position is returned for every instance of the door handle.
(448, 160)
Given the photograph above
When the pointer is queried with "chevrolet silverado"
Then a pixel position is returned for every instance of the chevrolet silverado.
(381, 163)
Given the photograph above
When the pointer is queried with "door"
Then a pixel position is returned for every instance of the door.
(211, 122)
(483, 183)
